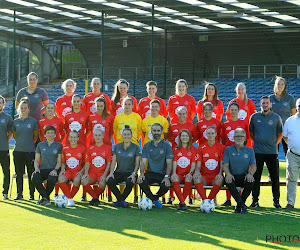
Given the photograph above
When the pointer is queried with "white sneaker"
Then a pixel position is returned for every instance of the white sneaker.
(71, 203)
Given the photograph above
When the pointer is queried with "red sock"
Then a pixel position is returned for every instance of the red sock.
(228, 195)
(171, 192)
(201, 190)
(177, 190)
(83, 191)
(64, 187)
(240, 192)
(74, 191)
(108, 191)
(45, 185)
(56, 189)
(187, 189)
(91, 191)
(191, 194)
(214, 191)
(99, 191)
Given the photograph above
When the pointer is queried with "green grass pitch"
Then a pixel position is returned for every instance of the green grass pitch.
(25, 225)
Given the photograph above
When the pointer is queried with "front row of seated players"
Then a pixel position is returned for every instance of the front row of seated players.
(203, 166)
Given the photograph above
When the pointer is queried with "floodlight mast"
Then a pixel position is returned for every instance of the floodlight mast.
(14, 67)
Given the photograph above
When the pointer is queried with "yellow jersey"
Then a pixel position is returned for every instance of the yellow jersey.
(148, 122)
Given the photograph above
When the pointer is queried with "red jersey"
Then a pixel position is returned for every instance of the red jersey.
(246, 110)
(210, 158)
(228, 128)
(201, 127)
(98, 157)
(176, 127)
(79, 122)
(88, 103)
(73, 157)
(63, 106)
(176, 101)
(144, 107)
(118, 109)
(218, 109)
(184, 158)
(56, 122)
(96, 121)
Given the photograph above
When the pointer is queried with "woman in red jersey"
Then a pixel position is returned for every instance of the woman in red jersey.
(120, 93)
(88, 102)
(247, 107)
(207, 121)
(184, 162)
(64, 102)
(181, 98)
(71, 168)
(211, 95)
(77, 120)
(101, 119)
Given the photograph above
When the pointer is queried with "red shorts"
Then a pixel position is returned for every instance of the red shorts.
(70, 174)
(209, 179)
(96, 176)
(182, 178)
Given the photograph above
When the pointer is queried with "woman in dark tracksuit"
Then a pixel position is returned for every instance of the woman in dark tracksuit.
(25, 132)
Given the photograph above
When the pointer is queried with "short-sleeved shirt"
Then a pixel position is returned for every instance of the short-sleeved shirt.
(246, 110)
(25, 134)
(63, 106)
(147, 124)
(176, 101)
(5, 126)
(73, 157)
(291, 130)
(36, 100)
(48, 154)
(228, 127)
(98, 157)
(265, 129)
(133, 120)
(284, 106)
(239, 161)
(176, 127)
(144, 107)
(184, 158)
(157, 155)
(126, 158)
(218, 109)
(210, 158)
(202, 126)
(118, 109)
(56, 122)
(88, 103)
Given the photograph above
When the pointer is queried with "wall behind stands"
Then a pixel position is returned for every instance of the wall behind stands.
(194, 59)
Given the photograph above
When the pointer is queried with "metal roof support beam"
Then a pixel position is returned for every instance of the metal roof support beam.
(14, 67)
(152, 34)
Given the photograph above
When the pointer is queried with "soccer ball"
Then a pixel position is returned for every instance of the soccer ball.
(207, 206)
(145, 204)
(61, 201)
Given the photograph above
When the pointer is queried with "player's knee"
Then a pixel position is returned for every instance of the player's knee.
(110, 181)
(174, 179)
(189, 178)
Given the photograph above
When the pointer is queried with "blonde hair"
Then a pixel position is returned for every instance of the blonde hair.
(245, 94)
(24, 100)
(64, 84)
(95, 79)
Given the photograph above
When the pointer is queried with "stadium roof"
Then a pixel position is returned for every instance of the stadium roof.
(59, 21)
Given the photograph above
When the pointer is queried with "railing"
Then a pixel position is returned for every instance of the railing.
(122, 72)
(264, 71)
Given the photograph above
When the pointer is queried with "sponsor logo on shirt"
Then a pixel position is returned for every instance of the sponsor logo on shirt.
(176, 102)
(64, 103)
(98, 161)
(211, 164)
(75, 126)
(175, 130)
(233, 154)
(68, 154)
(183, 162)
(146, 106)
(72, 162)
(228, 128)
(258, 120)
(206, 155)
(180, 154)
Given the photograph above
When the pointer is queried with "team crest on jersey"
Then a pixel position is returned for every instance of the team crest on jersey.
(228, 128)
(246, 155)
(82, 119)
(3, 121)
(186, 103)
(189, 153)
(79, 155)
(270, 122)
(36, 96)
(55, 151)
(216, 154)
(206, 155)
(68, 154)
(285, 104)
(28, 125)
(103, 153)
(161, 151)
(130, 154)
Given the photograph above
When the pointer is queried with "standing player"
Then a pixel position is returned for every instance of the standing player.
(5, 135)
(72, 160)
(97, 166)
(181, 98)
(120, 93)
(144, 104)
(206, 122)
(64, 102)
(209, 166)
(88, 102)
(51, 120)
(184, 161)
(77, 120)
(211, 96)
(154, 117)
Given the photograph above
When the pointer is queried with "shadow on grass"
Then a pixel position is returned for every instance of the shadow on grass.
(168, 223)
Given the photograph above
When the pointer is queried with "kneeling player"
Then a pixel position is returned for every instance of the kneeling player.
(97, 165)
(184, 161)
(71, 168)
(208, 170)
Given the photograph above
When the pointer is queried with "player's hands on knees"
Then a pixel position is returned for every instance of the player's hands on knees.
(219, 177)
(166, 181)
(84, 176)
(197, 176)
(61, 172)
(53, 173)
(174, 177)
(141, 178)
(249, 178)
(133, 178)
(110, 176)
(189, 177)
(229, 178)
(102, 182)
